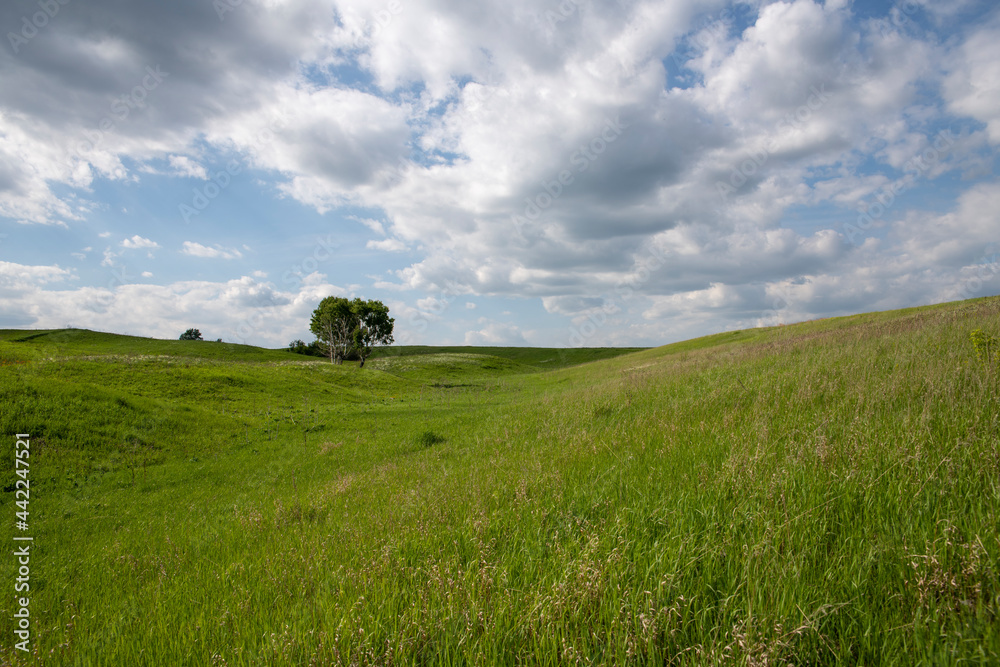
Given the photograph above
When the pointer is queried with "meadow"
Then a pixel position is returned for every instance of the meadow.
(825, 493)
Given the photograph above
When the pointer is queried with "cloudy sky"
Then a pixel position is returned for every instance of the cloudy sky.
(543, 172)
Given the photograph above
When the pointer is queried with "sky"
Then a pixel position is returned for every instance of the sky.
(555, 173)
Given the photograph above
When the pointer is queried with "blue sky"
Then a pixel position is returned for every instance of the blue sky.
(498, 173)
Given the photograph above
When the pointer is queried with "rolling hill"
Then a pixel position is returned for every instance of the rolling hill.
(821, 493)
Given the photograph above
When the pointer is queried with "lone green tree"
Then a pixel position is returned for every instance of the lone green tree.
(343, 326)
(333, 322)
(191, 334)
(374, 327)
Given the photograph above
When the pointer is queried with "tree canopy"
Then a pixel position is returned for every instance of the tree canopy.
(333, 324)
(343, 326)
(374, 326)
(191, 334)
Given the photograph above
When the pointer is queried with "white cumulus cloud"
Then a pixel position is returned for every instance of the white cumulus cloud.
(139, 242)
(195, 249)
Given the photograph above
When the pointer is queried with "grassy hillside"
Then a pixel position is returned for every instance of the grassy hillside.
(59, 343)
(824, 493)
(544, 358)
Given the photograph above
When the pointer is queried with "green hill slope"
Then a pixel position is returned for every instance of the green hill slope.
(823, 493)
(82, 342)
(61, 343)
(543, 358)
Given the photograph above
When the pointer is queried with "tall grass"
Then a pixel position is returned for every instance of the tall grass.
(824, 493)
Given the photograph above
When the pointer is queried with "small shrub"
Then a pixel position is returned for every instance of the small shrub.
(987, 347)
(313, 349)
(428, 438)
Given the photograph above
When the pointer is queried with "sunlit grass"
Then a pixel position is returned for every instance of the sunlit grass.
(823, 493)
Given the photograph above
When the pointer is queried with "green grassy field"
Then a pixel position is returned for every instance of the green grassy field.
(817, 494)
